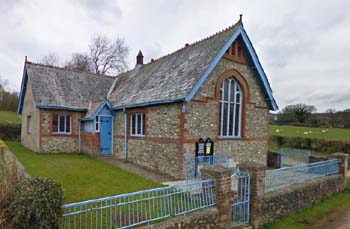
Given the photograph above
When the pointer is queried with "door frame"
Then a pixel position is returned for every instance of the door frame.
(108, 116)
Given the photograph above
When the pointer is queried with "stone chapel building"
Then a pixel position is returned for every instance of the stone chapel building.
(154, 114)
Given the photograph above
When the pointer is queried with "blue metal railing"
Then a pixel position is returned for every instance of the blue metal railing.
(194, 164)
(279, 178)
(127, 210)
(294, 157)
(240, 187)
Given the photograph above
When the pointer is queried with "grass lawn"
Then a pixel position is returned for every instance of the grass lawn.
(81, 176)
(310, 132)
(9, 116)
(338, 203)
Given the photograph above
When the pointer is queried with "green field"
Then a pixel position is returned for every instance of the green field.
(310, 132)
(81, 176)
(9, 116)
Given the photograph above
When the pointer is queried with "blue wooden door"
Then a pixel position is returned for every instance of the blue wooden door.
(106, 135)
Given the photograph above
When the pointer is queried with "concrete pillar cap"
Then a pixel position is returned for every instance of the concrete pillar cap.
(217, 170)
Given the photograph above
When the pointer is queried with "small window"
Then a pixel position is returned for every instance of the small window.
(61, 124)
(29, 124)
(137, 124)
(97, 124)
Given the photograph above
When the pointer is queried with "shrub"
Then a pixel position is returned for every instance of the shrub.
(36, 203)
(10, 131)
(319, 145)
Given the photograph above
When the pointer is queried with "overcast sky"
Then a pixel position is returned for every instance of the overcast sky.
(303, 46)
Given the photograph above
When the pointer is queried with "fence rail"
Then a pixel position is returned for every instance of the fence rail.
(279, 178)
(194, 164)
(127, 210)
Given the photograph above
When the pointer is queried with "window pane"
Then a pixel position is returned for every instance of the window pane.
(97, 123)
(238, 107)
(232, 95)
(226, 90)
(133, 124)
(55, 123)
(61, 123)
(220, 118)
(224, 127)
(68, 124)
(238, 98)
(139, 116)
(230, 131)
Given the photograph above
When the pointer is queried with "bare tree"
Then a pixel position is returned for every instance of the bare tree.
(300, 111)
(80, 61)
(50, 59)
(108, 56)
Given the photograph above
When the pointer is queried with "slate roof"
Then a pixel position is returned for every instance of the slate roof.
(170, 77)
(59, 87)
(174, 77)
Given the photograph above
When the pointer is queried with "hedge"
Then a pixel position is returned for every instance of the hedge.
(35, 203)
(319, 145)
(10, 131)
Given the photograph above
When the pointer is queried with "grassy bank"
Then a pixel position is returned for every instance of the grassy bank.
(10, 117)
(310, 132)
(81, 176)
(337, 203)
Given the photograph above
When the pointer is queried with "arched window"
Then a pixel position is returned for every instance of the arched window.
(230, 108)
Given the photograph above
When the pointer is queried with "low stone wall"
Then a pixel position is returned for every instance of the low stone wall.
(206, 218)
(277, 204)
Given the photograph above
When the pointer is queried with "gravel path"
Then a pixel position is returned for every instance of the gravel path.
(136, 169)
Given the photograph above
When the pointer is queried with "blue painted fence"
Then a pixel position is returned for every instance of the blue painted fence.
(143, 207)
(240, 187)
(194, 164)
(279, 178)
(293, 157)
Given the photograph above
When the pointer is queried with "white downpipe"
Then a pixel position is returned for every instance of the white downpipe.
(79, 139)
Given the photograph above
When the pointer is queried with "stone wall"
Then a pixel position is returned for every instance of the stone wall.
(159, 148)
(266, 207)
(90, 143)
(50, 142)
(207, 218)
(277, 204)
(30, 140)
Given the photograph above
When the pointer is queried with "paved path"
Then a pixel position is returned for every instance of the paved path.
(20, 170)
(136, 169)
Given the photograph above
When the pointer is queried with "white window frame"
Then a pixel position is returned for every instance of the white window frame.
(226, 123)
(97, 123)
(29, 124)
(142, 134)
(65, 124)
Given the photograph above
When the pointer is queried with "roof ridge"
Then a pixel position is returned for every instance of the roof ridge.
(198, 41)
(67, 69)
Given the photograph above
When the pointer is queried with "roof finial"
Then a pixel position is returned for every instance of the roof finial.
(240, 18)
(25, 59)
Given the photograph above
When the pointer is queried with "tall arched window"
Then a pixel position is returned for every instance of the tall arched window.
(230, 108)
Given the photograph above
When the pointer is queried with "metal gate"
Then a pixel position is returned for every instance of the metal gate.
(240, 186)
(294, 157)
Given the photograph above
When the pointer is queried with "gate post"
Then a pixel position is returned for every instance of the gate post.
(222, 191)
(257, 187)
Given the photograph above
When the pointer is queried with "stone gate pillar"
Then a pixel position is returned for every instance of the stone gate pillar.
(343, 162)
(222, 189)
